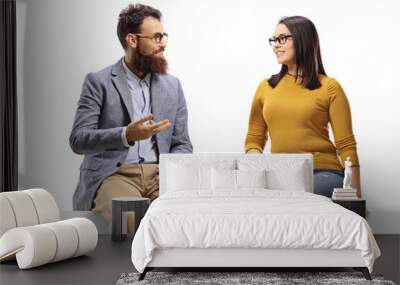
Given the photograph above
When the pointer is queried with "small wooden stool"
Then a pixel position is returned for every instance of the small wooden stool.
(120, 205)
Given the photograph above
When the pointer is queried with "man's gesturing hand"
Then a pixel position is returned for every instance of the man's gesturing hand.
(140, 130)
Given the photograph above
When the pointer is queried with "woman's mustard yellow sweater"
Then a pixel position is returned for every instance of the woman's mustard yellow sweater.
(297, 121)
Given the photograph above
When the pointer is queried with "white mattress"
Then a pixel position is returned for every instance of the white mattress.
(252, 218)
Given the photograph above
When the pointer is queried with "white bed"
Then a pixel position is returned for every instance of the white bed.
(236, 210)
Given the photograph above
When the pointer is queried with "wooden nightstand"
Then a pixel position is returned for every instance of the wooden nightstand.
(357, 206)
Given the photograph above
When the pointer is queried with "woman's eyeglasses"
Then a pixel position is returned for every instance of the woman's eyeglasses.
(281, 39)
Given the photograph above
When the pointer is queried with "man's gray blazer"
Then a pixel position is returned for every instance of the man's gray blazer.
(104, 108)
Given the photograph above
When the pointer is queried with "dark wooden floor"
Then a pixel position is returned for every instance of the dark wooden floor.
(110, 260)
(102, 266)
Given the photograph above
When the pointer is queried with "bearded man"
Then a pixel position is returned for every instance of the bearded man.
(128, 114)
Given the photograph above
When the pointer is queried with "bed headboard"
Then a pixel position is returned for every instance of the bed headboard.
(303, 161)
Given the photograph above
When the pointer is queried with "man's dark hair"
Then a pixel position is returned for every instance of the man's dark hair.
(307, 53)
(131, 18)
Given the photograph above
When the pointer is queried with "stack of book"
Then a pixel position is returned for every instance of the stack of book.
(344, 194)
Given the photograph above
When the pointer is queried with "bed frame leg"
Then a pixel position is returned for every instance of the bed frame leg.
(364, 271)
(143, 274)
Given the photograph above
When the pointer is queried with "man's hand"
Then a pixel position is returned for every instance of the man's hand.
(140, 130)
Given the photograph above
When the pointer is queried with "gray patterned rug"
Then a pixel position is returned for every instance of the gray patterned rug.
(242, 278)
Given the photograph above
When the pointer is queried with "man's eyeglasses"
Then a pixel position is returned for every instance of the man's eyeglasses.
(157, 37)
(281, 39)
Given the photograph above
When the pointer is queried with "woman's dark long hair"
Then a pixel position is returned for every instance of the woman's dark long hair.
(307, 53)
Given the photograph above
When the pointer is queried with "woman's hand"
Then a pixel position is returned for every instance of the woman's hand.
(253, 151)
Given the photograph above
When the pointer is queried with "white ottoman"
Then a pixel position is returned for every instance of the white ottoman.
(31, 232)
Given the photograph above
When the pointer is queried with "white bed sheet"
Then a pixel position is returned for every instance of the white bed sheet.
(252, 218)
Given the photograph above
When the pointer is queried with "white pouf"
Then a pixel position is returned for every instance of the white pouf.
(31, 233)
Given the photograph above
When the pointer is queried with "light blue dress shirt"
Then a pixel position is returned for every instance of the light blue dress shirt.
(143, 151)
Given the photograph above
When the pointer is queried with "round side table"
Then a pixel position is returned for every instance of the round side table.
(120, 205)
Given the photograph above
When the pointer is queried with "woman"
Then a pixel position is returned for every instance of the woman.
(296, 105)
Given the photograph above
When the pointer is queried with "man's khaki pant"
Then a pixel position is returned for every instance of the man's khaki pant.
(136, 180)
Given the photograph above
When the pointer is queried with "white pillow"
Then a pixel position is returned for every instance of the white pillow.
(192, 173)
(281, 174)
(292, 179)
(251, 178)
(223, 179)
(228, 179)
(181, 177)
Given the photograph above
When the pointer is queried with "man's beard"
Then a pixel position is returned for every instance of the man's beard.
(150, 63)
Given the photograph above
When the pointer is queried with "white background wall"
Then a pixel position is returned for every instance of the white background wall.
(219, 50)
